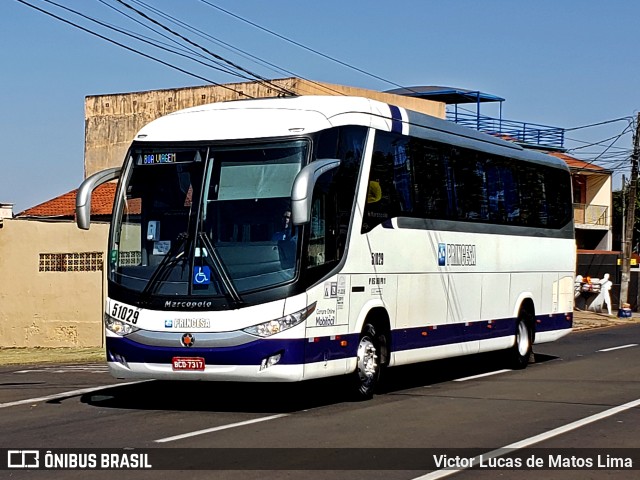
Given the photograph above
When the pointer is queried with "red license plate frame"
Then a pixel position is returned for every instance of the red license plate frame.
(195, 364)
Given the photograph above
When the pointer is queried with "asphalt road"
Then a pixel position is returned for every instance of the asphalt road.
(466, 406)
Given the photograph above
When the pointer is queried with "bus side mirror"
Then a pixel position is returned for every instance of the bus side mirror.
(302, 189)
(83, 196)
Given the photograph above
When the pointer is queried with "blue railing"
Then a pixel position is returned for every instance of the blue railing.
(526, 133)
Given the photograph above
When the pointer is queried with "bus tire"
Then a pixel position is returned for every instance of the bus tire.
(369, 366)
(523, 346)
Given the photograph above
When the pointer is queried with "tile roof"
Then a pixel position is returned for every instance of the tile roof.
(574, 163)
(64, 206)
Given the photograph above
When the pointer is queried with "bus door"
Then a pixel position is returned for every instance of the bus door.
(327, 344)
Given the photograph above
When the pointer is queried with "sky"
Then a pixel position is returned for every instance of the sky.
(565, 63)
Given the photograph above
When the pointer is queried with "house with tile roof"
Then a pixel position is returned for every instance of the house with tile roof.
(592, 203)
(52, 277)
(63, 207)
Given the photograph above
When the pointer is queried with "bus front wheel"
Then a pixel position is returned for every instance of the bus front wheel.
(367, 374)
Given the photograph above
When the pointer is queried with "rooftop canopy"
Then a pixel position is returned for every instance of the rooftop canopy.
(448, 95)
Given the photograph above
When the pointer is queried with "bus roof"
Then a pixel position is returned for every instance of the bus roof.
(279, 117)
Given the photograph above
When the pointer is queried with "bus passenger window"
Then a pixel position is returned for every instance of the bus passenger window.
(383, 201)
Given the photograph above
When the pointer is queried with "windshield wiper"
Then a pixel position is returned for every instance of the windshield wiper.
(221, 270)
(169, 260)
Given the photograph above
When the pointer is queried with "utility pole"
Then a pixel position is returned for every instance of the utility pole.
(623, 200)
(631, 216)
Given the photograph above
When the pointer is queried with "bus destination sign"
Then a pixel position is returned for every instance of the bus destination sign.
(157, 158)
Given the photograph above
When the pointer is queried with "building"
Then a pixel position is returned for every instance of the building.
(111, 121)
(592, 203)
(52, 286)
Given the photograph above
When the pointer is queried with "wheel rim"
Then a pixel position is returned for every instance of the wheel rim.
(523, 339)
(367, 360)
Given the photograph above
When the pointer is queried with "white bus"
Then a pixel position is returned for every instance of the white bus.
(296, 238)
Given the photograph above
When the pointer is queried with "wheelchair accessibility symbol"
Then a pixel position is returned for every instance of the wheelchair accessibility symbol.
(201, 275)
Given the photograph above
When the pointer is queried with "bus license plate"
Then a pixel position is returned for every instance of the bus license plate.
(188, 363)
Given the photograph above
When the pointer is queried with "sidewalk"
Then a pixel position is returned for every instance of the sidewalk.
(584, 320)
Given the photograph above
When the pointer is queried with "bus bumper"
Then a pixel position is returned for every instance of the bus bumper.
(259, 361)
(216, 373)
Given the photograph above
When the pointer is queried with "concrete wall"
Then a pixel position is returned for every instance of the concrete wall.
(599, 191)
(52, 308)
(599, 188)
(111, 121)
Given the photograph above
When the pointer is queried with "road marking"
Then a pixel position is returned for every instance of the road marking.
(535, 439)
(93, 368)
(481, 375)
(618, 348)
(222, 427)
(71, 393)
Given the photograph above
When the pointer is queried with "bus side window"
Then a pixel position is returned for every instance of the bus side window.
(333, 199)
(323, 228)
(383, 201)
(330, 217)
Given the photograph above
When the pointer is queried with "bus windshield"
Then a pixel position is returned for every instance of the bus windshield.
(206, 220)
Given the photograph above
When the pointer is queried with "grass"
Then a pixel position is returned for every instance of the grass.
(30, 356)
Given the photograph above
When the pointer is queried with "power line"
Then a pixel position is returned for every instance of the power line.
(147, 40)
(601, 156)
(198, 32)
(627, 118)
(142, 24)
(298, 44)
(626, 129)
(126, 47)
(221, 43)
(261, 80)
(600, 142)
(232, 48)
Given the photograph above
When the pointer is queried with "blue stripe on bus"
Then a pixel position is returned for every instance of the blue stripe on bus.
(396, 119)
(248, 354)
(549, 323)
(319, 349)
(294, 351)
(447, 334)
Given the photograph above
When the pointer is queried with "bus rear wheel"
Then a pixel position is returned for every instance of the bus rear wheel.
(369, 364)
(522, 348)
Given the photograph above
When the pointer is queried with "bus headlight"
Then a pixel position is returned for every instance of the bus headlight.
(118, 327)
(281, 324)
